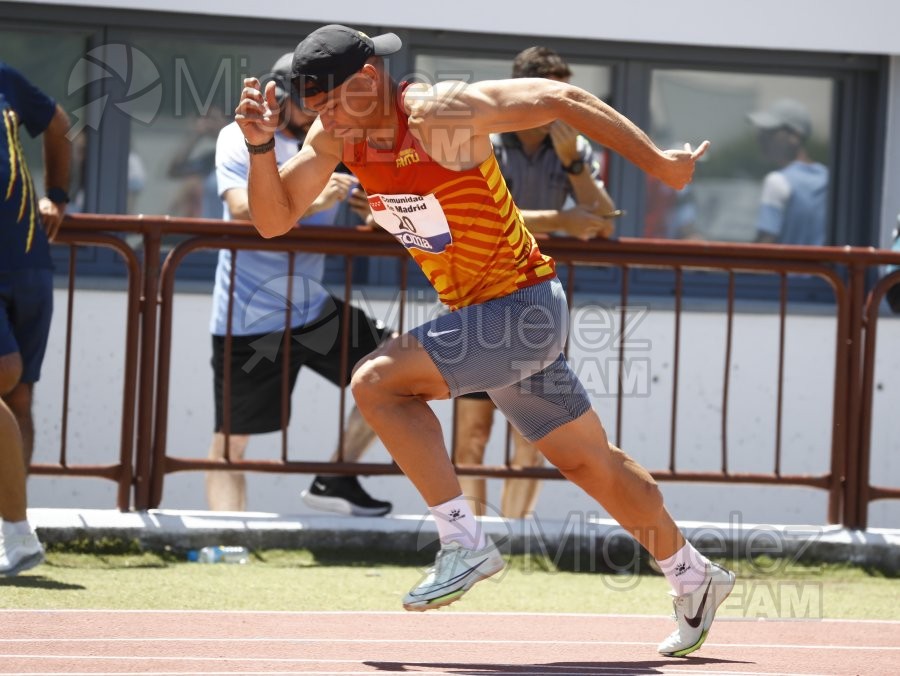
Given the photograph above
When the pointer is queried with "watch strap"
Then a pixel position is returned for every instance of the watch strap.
(262, 148)
(57, 195)
(575, 167)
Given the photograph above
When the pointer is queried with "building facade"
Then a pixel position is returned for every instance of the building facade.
(148, 84)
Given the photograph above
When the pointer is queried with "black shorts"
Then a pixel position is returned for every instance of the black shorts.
(483, 396)
(256, 364)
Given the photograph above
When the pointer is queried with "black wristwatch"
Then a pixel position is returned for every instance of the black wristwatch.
(576, 167)
(266, 147)
(58, 196)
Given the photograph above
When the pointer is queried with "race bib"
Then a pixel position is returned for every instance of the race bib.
(417, 221)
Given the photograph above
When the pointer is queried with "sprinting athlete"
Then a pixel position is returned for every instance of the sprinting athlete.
(423, 154)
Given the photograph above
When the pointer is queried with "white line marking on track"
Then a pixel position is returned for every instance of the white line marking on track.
(404, 672)
(545, 669)
(405, 613)
(229, 673)
(431, 641)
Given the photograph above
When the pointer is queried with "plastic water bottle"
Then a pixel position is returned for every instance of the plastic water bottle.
(220, 554)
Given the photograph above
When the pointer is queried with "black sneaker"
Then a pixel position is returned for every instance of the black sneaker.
(343, 495)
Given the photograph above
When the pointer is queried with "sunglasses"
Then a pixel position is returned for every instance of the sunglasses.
(305, 85)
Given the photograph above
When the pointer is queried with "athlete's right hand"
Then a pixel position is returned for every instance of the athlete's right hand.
(257, 114)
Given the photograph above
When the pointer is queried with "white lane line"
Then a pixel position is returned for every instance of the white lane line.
(431, 641)
(405, 613)
(406, 672)
(233, 673)
(404, 668)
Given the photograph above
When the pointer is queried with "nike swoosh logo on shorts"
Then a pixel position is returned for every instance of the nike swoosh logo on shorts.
(698, 618)
(434, 334)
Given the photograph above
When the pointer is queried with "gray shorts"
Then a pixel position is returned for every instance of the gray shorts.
(511, 347)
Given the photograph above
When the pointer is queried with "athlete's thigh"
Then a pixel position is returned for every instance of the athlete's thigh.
(499, 342)
(401, 366)
(543, 402)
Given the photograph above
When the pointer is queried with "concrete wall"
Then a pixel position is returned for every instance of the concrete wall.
(95, 407)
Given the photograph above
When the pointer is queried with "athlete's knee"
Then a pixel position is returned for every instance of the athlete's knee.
(573, 459)
(367, 384)
(392, 372)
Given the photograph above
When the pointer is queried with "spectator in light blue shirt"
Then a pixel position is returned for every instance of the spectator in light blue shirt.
(794, 196)
(254, 312)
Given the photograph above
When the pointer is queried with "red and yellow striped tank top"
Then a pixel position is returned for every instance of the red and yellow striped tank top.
(461, 227)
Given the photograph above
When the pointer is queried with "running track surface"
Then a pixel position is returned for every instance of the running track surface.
(194, 642)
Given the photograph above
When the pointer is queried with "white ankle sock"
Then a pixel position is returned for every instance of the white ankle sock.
(16, 527)
(685, 569)
(456, 523)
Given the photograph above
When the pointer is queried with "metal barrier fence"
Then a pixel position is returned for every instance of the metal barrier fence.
(144, 461)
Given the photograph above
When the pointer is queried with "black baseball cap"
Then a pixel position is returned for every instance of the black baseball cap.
(281, 74)
(331, 54)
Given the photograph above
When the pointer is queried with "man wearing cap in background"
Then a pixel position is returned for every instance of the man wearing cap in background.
(793, 205)
(423, 154)
(258, 316)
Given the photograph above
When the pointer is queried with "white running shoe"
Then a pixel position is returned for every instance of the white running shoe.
(694, 612)
(19, 553)
(454, 572)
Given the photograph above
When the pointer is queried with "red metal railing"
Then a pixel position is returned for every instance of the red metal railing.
(121, 472)
(144, 460)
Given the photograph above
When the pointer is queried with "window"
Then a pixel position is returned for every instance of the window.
(65, 78)
(175, 122)
(148, 151)
(723, 201)
(179, 96)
